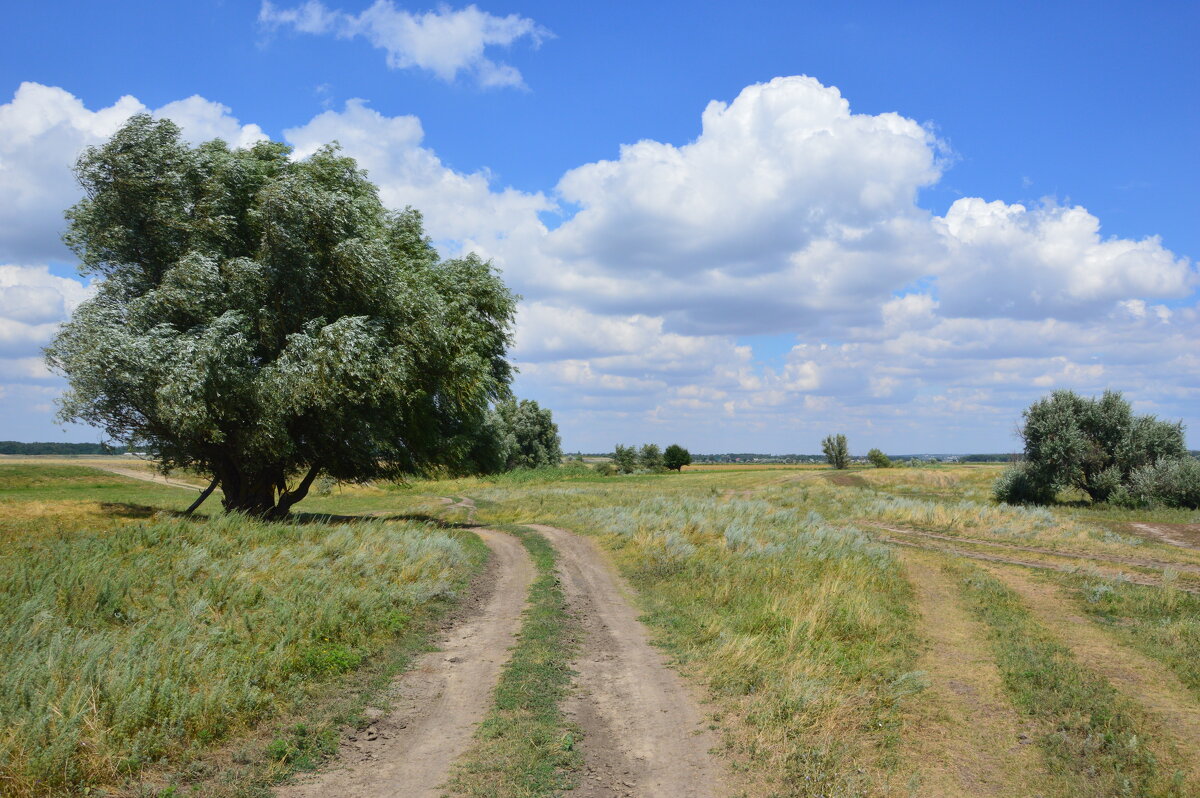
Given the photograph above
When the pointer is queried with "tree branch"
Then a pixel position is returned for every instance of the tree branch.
(203, 495)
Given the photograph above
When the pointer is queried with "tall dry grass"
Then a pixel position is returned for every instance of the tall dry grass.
(123, 647)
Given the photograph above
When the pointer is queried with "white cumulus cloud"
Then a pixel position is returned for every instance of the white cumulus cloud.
(446, 42)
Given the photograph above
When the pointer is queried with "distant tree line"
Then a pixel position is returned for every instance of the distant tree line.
(51, 447)
(649, 458)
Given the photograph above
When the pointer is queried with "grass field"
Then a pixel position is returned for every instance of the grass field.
(135, 646)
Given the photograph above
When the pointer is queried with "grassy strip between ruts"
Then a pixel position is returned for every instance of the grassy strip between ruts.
(1162, 623)
(1093, 734)
(525, 747)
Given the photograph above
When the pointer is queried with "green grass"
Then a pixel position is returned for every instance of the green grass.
(525, 747)
(1092, 733)
(803, 628)
(1164, 624)
(155, 641)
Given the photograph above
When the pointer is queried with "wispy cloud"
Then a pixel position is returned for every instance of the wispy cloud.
(446, 42)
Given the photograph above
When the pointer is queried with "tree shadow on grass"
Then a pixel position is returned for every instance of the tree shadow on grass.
(128, 510)
(418, 518)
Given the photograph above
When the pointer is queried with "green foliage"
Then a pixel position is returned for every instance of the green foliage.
(258, 318)
(675, 457)
(530, 435)
(625, 459)
(1173, 482)
(1093, 445)
(650, 457)
(1020, 483)
(878, 459)
(836, 451)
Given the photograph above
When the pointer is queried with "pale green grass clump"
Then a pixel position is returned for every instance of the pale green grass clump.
(121, 648)
(804, 630)
(1025, 524)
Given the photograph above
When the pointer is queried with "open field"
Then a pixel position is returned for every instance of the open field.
(869, 632)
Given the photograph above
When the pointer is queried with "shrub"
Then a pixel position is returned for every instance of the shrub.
(1021, 484)
(879, 459)
(1175, 483)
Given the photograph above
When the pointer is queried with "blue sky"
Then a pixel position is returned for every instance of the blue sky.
(895, 319)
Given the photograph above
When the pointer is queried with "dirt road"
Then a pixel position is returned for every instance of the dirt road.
(145, 476)
(644, 734)
(439, 701)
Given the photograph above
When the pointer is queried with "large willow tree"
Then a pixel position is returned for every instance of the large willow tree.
(265, 320)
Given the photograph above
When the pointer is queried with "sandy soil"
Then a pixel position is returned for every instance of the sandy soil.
(644, 734)
(963, 733)
(145, 476)
(1156, 690)
(1183, 535)
(437, 704)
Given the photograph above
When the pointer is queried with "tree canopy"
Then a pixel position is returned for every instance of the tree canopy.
(878, 459)
(263, 319)
(836, 450)
(675, 457)
(531, 437)
(1097, 446)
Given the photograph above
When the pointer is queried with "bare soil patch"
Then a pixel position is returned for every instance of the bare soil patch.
(437, 704)
(1173, 715)
(644, 734)
(963, 733)
(145, 476)
(1185, 536)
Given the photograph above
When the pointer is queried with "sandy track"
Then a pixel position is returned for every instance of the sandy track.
(965, 736)
(146, 476)
(439, 701)
(1174, 712)
(644, 734)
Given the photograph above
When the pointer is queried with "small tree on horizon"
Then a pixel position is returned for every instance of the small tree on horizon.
(675, 457)
(878, 459)
(650, 457)
(837, 453)
(625, 459)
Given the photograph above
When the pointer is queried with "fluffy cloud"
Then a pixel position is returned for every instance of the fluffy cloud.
(44, 129)
(769, 282)
(446, 42)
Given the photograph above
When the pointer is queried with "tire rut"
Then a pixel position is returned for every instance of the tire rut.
(644, 734)
(439, 701)
(1173, 712)
(965, 736)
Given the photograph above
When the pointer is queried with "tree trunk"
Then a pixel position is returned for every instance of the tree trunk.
(256, 495)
